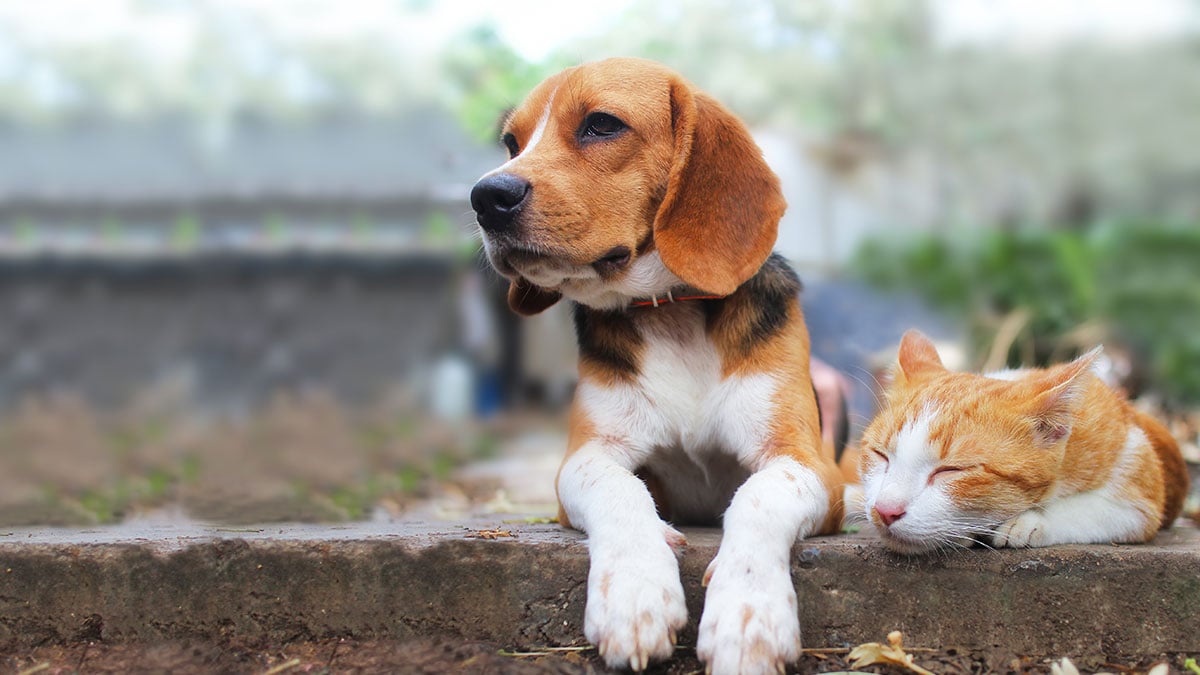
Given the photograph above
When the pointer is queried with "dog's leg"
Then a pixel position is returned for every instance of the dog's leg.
(635, 599)
(750, 622)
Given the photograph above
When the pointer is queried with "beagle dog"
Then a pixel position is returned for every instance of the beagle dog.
(648, 205)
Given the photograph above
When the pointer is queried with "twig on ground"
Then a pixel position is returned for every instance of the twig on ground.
(544, 651)
(286, 665)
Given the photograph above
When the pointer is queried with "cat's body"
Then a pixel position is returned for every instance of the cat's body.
(1019, 458)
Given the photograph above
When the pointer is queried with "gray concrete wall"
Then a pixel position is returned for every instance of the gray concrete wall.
(221, 331)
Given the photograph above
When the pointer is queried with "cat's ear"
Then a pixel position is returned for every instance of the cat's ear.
(1058, 392)
(917, 358)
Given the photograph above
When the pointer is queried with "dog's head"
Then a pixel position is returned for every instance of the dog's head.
(625, 181)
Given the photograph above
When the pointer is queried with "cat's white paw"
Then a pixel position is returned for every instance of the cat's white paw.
(750, 624)
(635, 602)
(1026, 529)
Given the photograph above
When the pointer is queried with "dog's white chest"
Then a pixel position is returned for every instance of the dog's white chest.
(681, 402)
(679, 371)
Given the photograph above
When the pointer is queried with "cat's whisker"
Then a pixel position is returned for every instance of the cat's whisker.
(954, 540)
(855, 517)
(967, 530)
(951, 543)
(980, 528)
(947, 544)
(869, 382)
(858, 420)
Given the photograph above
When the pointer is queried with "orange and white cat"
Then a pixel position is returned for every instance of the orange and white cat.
(1015, 458)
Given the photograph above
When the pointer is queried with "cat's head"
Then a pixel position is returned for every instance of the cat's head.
(953, 455)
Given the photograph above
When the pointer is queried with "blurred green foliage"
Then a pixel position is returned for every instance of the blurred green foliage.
(1014, 134)
(185, 232)
(1012, 127)
(1140, 282)
(489, 79)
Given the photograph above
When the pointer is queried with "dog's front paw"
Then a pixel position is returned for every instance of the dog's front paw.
(635, 603)
(750, 624)
(1028, 528)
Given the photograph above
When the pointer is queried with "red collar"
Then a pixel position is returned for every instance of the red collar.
(655, 302)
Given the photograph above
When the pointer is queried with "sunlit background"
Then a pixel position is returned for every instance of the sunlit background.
(239, 275)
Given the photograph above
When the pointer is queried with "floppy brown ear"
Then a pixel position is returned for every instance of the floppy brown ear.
(718, 220)
(526, 299)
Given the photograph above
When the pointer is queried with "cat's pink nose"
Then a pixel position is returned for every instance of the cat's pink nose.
(889, 513)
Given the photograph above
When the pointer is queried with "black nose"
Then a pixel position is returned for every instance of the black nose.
(497, 199)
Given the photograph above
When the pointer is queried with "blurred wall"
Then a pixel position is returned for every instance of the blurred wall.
(220, 334)
(170, 159)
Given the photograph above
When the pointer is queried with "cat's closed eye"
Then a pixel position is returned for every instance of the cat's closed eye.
(946, 471)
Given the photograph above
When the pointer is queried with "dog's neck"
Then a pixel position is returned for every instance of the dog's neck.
(685, 295)
(661, 300)
(647, 282)
(759, 307)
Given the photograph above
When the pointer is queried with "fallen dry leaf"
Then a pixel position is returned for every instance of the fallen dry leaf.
(873, 653)
(490, 534)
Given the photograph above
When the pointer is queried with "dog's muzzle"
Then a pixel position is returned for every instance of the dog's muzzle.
(497, 199)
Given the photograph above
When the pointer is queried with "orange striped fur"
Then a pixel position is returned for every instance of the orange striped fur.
(1019, 458)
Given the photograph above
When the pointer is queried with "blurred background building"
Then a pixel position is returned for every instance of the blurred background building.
(222, 221)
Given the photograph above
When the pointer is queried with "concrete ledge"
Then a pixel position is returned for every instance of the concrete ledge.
(404, 580)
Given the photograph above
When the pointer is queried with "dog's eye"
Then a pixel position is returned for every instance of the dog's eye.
(600, 125)
(510, 142)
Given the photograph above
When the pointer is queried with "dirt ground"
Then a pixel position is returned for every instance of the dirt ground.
(303, 457)
(381, 461)
(454, 656)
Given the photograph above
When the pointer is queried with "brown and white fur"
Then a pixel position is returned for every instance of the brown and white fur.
(626, 183)
(1015, 458)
